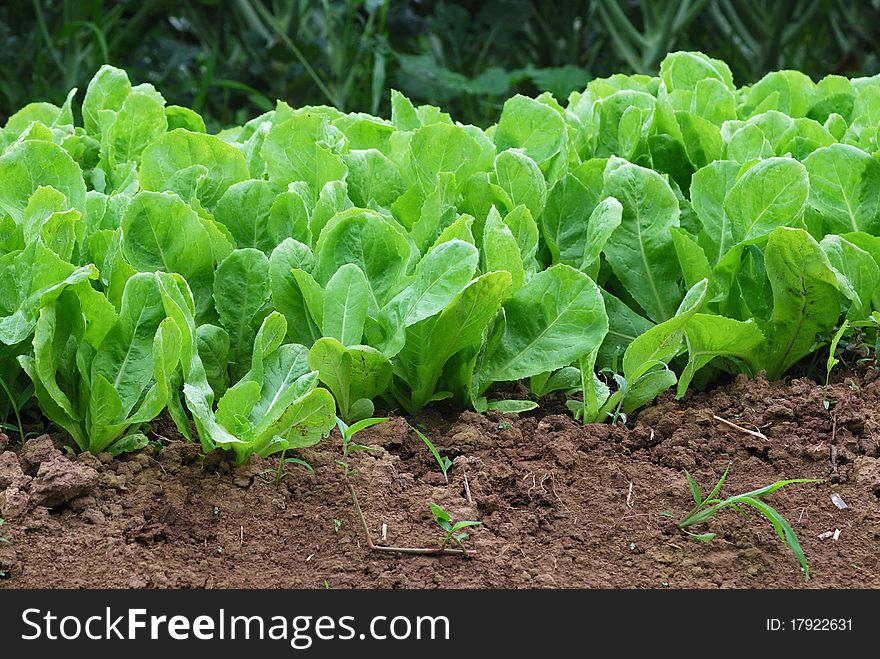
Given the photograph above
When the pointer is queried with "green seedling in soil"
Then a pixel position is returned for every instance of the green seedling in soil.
(17, 403)
(706, 508)
(454, 530)
(348, 447)
(443, 461)
(284, 461)
(349, 431)
(832, 361)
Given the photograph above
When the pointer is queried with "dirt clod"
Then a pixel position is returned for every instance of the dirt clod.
(60, 480)
(35, 452)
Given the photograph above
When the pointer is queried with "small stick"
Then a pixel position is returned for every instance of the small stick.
(467, 491)
(426, 551)
(629, 496)
(241, 536)
(753, 433)
(384, 531)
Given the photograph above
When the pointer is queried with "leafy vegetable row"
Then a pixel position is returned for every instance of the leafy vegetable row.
(654, 230)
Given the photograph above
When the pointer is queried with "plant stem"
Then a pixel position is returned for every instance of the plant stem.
(14, 406)
(424, 551)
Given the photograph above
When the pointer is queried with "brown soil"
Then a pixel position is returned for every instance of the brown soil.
(561, 505)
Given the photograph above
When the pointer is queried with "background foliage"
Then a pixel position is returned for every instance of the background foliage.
(230, 59)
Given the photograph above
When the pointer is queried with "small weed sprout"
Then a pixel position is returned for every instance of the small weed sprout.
(454, 530)
(348, 432)
(832, 361)
(443, 461)
(706, 508)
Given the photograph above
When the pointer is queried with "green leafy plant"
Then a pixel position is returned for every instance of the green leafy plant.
(705, 509)
(443, 461)
(454, 531)
(648, 232)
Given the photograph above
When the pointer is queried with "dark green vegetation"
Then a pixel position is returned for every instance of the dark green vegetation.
(230, 59)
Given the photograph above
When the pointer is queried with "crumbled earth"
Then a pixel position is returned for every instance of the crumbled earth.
(561, 505)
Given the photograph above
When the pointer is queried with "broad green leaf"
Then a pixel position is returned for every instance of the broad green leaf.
(107, 90)
(304, 148)
(522, 180)
(603, 222)
(806, 301)
(370, 241)
(640, 251)
(843, 186)
(27, 166)
(139, 121)
(346, 298)
(535, 128)
(32, 278)
(245, 209)
(287, 297)
(708, 337)
(501, 251)
(570, 203)
(162, 233)
(182, 160)
(793, 92)
(858, 274)
(351, 373)
(709, 187)
(432, 342)
(443, 148)
(555, 319)
(684, 70)
(439, 277)
(771, 194)
(373, 177)
(241, 296)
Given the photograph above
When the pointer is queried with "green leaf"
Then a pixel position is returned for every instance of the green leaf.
(708, 337)
(345, 305)
(771, 194)
(501, 251)
(304, 148)
(139, 121)
(555, 319)
(107, 90)
(512, 406)
(641, 251)
(431, 343)
(241, 296)
(162, 233)
(287, 297)
(537, 129)
(843, 180)
(695, 488)
(368, 240)
(351, 373)
(191, 164)
(806, 301)
(519, 176)
(31, 164)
